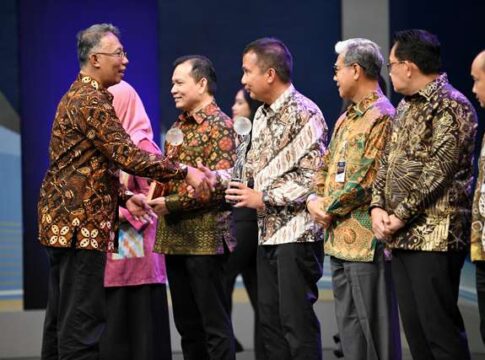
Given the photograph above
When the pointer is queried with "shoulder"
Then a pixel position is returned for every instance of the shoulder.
(383, 107)
(220, 119)
(452, 99)
(303, 107)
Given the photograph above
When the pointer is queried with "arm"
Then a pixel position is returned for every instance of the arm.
(138, 185)
(357, 190)
(478, 220)
(104, 130)
(378, 199)
(293, 187)
(220, 157)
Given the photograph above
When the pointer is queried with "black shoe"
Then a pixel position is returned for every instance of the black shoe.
(239, 347)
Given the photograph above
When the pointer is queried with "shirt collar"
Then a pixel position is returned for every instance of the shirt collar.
(89, 81)
(430, 89)
(200, 115)
(359, 109)
(278, 103)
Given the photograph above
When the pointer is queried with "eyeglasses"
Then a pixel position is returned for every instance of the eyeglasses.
(118, 53)
(336, 68)
(392, 63)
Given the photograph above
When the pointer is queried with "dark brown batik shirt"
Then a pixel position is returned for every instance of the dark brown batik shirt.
(426, 173)
(198, 226)
(79, 195)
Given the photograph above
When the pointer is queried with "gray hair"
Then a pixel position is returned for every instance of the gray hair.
(364, 52)
(90, 38)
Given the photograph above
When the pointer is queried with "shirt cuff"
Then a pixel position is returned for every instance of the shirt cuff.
(172, 202)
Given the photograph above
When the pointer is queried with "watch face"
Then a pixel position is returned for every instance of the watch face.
(265, 197)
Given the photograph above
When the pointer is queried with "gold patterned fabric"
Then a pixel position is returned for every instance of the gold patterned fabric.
(79, 195)
(359, 139)
(477, 245)
(198, 226)
(426, 173)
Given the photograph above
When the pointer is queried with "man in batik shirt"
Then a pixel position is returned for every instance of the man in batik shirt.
(422, 197)
(477, 245)
(194, 234)
(78, 205)
(288, 139)
(364, 307)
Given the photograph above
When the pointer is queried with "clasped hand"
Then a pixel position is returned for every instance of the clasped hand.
(385, 225)
(315, 208)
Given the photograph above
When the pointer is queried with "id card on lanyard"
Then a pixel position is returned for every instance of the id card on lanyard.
(340, 173)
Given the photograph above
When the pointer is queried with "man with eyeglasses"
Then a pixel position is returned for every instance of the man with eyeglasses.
(422, 196)
(78, 205)
(364, 301)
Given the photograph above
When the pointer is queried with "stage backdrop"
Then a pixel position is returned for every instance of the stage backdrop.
(48, 65)
(221, 29)
(10, 169)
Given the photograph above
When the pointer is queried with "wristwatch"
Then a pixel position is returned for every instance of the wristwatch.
(265, 198)
(184, 169)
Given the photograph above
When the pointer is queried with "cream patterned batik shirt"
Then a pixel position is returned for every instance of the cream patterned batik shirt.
(288, 141)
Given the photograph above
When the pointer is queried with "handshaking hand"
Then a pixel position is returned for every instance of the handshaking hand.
(198, 180)
(206, 186)
(139, 209)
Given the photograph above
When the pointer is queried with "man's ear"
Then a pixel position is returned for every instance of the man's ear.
(270, 75)
(357, 71)
(203, 85)
(94, 60)
(410, 68)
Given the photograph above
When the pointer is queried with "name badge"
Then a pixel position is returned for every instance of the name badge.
(340, 174)
(482, 189)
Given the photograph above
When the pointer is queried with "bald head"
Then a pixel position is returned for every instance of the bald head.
(480, 60)
(478, 75)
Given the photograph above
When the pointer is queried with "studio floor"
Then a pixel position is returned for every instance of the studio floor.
(249, 355)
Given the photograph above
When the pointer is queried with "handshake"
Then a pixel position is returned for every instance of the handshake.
(201, 181)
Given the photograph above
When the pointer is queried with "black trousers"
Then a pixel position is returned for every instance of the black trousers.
(200, 307)
(427, 287)
(243, 261)
(480, 281)
(138, 326)
(287, 289)
(75, 315)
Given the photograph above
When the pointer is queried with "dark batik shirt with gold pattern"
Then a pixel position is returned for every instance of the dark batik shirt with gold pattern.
(426, 174)
(79, 195)
(198, 226)
(358, 140)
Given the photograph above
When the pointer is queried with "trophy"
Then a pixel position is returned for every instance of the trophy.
(242, 126)
(174, 138)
